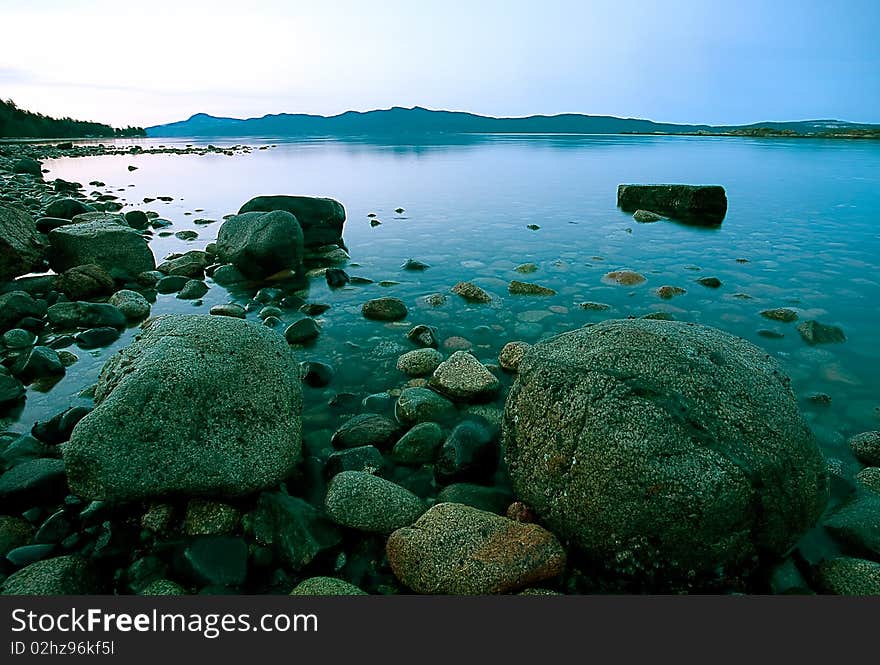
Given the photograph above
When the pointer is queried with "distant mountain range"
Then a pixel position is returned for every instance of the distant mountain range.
(422, 121)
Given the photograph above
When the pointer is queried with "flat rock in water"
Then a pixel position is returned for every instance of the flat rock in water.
(384, 309)
(624, 278)
(701, 204)
(118, 249)
(518, 288)
(813, 332)
(321, 219)
(471, 292)
(460, 550)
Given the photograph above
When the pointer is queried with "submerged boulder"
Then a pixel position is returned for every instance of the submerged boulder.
(705, 204)
(21, 246)
(198, 405)
(261, 244)
(118, 249)
(321, 219)
(663, 450)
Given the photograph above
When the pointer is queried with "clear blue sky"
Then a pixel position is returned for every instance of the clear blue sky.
(678, 61)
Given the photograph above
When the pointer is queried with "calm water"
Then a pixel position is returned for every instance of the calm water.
(804, 214)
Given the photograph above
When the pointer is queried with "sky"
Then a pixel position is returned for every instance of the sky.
(144, 63)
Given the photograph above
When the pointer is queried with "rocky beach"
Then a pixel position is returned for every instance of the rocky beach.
(255, 410)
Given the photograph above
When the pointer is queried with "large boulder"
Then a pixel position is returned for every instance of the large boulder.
(196, 405)
(663, 450)
(321, 219)
(67, 208)
(21, 246)
(120, 250)
(705, 204)
(260, 244)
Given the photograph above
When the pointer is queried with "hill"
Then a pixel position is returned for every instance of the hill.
(18, 123)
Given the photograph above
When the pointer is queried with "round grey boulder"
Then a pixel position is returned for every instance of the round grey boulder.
(196, 405)
(131, 303)
(663, 450)
(366, 502)
(260, 244)
(118, 249)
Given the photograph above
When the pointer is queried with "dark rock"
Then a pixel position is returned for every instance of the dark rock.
(366, 502)
(46, 224)
(220, 560)
(366, 429)
(229, 309)
(416, 405)
(137, 219)
(490, 499)
(192, 264)
(856, 524)
(21, 248)
(171, 284)
(39, 481)
(321, 219)
(67, 575)
(470, 452)
(55, 529)
(362, 458)
(302, 331)
(11, 389)
(192, 290)
(28, 166)
(57, 429)
(844, 576)
(419, 445)
(120, 250)
(422, 335)
(85, 282)
(16, 305)
(96, 338)
(261, 244)
(710, 282)
(471, 292)
(703, 204)
(665, 435)
(67, 208)
(72, 315)
(336, 278)
(412, 264)
(459, 550)
(14, 533)
(28, 554)
(40, 362)
(384, 309)
(814, 332)
(782, 314)
(316, 374)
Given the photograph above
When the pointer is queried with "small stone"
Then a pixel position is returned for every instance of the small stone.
(131, 303)
(316, 374)
(419, 445)
(709, 282)
(229, 309)
(459, 550)
(667, 292)
(526, 268)
(217, 560)
(422, 335)
(435, 299)
(845, 576)
(384, 309)
(18, 338)
(186, 235)
(594, 306)
(96, 338)
(326, 586)
(368, 503)
(366, 429)
(624, 278)
(814, 332)
(193, 290)
(646, 216)
(527, 289)
(781, 314)
(412, 264)
(171, 284)
(461, 376)
(367, 459)
(162, 587)
(302, 331)
(419, 362)
(512, 354)
(532, 227)
(457, 343)
(40, 362)
(866, 447)
(210, 518)
(870, 477)
(416, 405)
(471, 292)
(336, 278)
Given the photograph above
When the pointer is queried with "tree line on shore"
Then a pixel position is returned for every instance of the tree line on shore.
(19, 123)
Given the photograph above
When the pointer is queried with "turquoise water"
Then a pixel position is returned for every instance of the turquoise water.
(801, 232)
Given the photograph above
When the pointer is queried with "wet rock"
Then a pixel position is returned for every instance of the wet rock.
(412, 264)
(366, 502)
(162, 587)
(67, 575)
(647, 443)
(217, 560)
(229, 309)
(422, 335)
(417, 405)
(782, 314)
(237, 430)
(260, 244)
(419, 362)
(869, 477)
(18, 338)
(57, 429)
(326, 586)
(80, 314)
(701, 204)
(668, 292)
(192, 265)
(594, 306)
(845, 576)
(226, 275)
(470, 452)
(384, 309)
(709, 282)
(186, 235)
(526, 268)
(646, 216)
(137, 219)
(321, 219)
(16, 305)
(463, 377)
(46, 224)
(133, 305)
(85, 282)
(302, 331)
(866, 447)
(471, 292)
(118, 249)
(21, 247)
(95, 338)
(192, 290)
(490, 499)
(11, 389)
(67, 208)
(419, 445)
(459, 550)
(516, 288)
(366, 429)
(295, 530)
(210, 518)
(367, 459)
(857, 525)
(316, 374)
(336, 278)
(813, 332)
(171, 284)
(435, 299)
(28, 166)
(512, 354)
(14, 532)
(33, 481)
(39, 363)
(624, 278)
